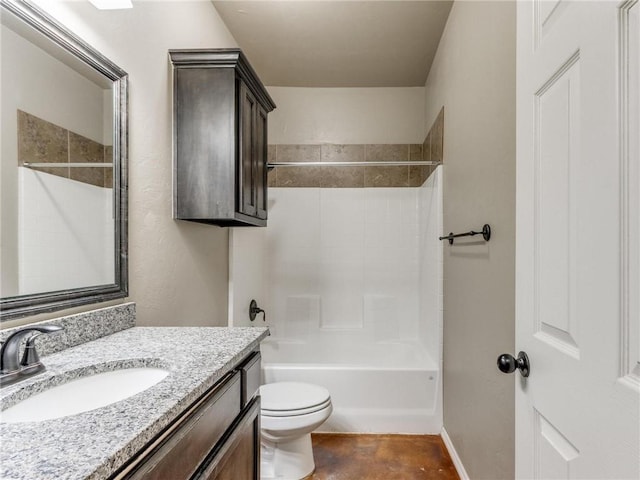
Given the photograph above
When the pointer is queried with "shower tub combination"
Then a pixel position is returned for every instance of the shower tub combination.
(354, 295)
(375, 387)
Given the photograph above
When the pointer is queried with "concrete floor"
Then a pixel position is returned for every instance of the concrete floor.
(381, 457)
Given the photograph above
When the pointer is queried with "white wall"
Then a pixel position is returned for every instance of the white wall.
(65, 233)
(343, 260)
(177, 270)
(473, 76)
(347, 115)
(247, 274)
(430, 264)
(430, 287)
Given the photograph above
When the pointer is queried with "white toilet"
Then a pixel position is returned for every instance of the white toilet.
(290, 411)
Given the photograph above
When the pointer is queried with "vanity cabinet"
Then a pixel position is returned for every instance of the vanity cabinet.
(217, 437)
(220, 138)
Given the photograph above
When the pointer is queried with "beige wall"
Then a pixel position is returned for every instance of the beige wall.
(177, 270)
(347, 115)
(473, 76)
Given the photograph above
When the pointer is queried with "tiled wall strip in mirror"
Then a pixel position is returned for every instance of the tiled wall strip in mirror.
(40, 141)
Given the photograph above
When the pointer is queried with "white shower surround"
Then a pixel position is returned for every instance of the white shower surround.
(66, 237)
(354, 295)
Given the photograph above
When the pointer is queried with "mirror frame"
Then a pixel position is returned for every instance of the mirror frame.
(24, 305)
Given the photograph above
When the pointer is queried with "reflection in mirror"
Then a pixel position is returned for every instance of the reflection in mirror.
(62, 169)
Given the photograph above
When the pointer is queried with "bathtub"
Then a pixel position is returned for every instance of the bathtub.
(375, 387)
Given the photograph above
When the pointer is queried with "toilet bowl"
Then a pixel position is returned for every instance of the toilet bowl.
(289, 412)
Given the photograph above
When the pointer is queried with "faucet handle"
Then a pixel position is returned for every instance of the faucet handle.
(10, 348)
(11, 369)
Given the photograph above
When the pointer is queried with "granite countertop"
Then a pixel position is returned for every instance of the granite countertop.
(92, 445)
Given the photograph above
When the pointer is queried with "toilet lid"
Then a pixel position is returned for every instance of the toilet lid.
(290, 396)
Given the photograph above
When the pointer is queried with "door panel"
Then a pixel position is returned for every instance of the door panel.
(556, 154)
(261, 163)
(248, 107)
(577, 260)
(545, 14)
(630, 139)
(554, 453)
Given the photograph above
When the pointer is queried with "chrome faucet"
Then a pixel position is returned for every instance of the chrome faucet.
(12, 368)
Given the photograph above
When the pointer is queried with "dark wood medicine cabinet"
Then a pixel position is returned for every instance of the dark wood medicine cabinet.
(220, 138)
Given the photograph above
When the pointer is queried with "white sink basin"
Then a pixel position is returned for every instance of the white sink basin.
(83, 394)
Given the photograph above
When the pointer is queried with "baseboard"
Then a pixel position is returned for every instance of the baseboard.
(462, 473)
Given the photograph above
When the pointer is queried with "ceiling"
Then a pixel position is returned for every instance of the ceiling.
(338, 43)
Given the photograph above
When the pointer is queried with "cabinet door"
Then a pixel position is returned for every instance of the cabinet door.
(247, 153)
(261, 163)
(239, 457)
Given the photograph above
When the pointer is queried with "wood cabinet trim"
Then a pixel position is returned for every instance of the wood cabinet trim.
(224, 58)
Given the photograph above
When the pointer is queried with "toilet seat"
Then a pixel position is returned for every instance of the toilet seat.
(292, 398)
(293, 413)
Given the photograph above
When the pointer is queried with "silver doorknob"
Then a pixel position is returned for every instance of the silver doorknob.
(508, 364)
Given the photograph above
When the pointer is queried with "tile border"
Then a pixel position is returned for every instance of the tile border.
(330, 176)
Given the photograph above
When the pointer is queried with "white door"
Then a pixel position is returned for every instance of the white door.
(578, 242)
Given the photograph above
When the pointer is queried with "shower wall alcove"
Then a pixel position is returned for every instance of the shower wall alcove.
(349, 272)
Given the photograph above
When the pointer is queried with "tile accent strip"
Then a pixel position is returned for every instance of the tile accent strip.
(432, 150)
(82, 327)
(357, 177)
(40, 141)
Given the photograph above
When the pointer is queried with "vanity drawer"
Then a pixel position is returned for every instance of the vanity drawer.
(177, 453)
(251, 375)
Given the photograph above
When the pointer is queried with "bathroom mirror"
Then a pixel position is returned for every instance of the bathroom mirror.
(63, 168)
